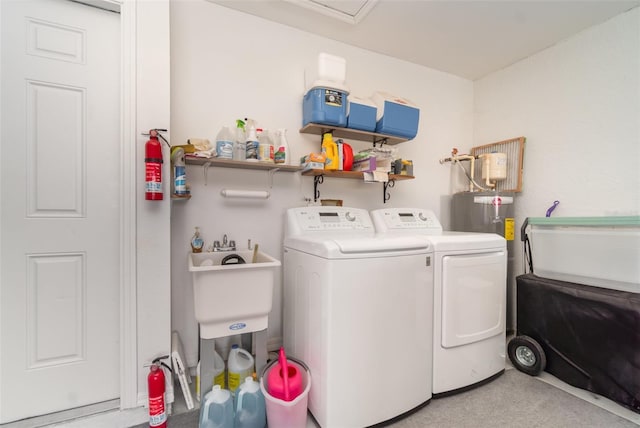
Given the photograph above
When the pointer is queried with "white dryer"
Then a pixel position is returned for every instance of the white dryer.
(470, 274)
(357, 312)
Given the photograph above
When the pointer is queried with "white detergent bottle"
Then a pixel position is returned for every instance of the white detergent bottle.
(218, 371)
(250, 407)
(239, 367)
(216, 410)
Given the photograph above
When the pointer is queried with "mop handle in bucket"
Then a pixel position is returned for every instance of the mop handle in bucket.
(285, 374)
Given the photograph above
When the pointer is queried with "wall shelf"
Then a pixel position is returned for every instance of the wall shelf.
(319, 174)
(229, 163)
(354, 134)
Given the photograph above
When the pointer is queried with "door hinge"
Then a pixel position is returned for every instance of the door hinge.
(428, 261)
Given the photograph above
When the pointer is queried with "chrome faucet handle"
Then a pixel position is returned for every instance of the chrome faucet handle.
(232, 244)
(216, 244)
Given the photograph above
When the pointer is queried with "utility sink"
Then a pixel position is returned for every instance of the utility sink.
(233, 298)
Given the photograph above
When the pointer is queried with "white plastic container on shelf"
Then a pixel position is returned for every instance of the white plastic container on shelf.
(239, 367)
(330, 72)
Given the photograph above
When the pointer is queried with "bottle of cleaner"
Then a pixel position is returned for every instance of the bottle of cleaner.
(179, 173)
(224, 143)
(216, 410)
(249, 405)
(196, 241)
(330, 150)
(252, 143)
(239, 144)
(265, 150)
(282, 154)
(218, 371)
(239, 367)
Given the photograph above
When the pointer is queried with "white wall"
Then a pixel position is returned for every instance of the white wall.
(227, 65)
(578, 105)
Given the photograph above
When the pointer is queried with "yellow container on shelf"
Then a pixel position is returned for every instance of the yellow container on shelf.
(330, 150)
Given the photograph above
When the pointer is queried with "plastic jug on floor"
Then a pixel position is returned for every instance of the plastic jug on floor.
(216, 410)
(239, 367)
(218, 371)
(250, 407)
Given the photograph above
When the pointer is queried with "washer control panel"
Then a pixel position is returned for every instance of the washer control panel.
(397, 219)
(312, 219)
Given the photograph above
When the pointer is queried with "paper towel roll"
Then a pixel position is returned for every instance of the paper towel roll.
(246, 194)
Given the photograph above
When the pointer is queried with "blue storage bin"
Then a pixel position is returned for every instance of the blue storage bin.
(361, 114)
(325, 106)
(396, 116)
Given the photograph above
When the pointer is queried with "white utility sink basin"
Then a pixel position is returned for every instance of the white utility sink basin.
(233, 298)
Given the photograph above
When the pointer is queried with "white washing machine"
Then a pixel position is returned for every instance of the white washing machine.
(470, 277)
(357, 312)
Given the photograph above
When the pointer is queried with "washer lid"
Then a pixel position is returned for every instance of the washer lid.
(352, 247)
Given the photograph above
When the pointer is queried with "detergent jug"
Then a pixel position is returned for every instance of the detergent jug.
(217, 409)
(330, 150)
(239, 367)
(250, 408)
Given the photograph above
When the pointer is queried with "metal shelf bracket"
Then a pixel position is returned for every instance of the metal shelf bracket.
(317, 179)
(385, 194)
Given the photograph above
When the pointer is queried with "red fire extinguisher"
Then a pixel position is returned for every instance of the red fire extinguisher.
(157, 407)
(153, 167)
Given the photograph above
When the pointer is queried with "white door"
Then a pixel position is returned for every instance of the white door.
(60, 232)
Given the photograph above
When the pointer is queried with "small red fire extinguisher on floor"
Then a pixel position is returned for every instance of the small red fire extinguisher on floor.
(153, 167)
(156, 386)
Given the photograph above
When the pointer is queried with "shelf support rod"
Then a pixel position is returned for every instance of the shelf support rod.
(271, 174)
(385, 194)
(317, 179)
(382, 142)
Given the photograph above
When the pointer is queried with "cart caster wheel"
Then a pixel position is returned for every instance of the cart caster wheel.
(527, 355)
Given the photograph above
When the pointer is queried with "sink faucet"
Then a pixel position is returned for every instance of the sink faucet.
(226, 245)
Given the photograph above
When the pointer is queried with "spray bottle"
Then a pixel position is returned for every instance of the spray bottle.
(239, 145)
(282, 153)
(179, 173)
(252, 144)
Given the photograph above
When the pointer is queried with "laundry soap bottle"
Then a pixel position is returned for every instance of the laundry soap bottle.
(249, 405)
(216, 410)
(330, 150)
(282, 154)
(239, 367)
(239, 144)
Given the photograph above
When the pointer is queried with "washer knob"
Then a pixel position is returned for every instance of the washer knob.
(422, 217)
(349, 216)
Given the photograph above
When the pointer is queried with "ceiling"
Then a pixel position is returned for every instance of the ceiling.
(467, 38)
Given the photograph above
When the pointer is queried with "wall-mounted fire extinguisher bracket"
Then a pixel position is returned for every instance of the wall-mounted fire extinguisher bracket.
(153, 165)
(156, 390)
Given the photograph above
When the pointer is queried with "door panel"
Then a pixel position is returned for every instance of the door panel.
(473, 297)
(60, 251)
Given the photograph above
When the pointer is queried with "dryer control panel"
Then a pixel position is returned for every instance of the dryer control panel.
(328, 219)
(413, 219)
